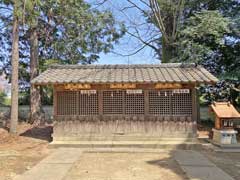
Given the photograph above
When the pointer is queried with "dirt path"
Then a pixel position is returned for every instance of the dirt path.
(121, 166)
(20, 153)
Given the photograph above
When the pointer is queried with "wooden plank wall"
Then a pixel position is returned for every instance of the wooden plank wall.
(146, 124)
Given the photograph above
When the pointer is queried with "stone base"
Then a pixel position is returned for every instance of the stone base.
(124, 129)
(224, 136)
(151, 144)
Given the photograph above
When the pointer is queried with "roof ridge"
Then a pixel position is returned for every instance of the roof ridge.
(123, 66)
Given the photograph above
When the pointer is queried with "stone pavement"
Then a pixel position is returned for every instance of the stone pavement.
(54, 167)
(198, 167)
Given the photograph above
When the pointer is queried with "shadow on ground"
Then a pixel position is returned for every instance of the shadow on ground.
(39, 132)
(169, 164)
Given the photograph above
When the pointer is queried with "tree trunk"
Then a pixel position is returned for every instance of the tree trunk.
(35, 98)
(168, 52)
(14, 78)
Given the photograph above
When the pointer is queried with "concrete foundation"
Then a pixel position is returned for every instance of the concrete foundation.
(224, 136)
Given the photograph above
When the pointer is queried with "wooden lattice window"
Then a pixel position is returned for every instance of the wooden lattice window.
(182, 103)
(134, 103)
(67, 103)
(88, 102)
(113, 102)
(160, 102)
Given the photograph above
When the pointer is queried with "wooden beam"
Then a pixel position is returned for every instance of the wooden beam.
(123, 86)
(168, 86)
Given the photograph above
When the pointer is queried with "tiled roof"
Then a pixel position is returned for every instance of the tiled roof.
(134, 73)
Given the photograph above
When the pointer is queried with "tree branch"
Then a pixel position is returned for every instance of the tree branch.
(157, 14)
(131, 54)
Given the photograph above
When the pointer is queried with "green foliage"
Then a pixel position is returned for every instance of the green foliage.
(24, 97)
(4, 100)
(47, 95)
(202, 34)
(207, 25)
(225, 90)
(77, 33)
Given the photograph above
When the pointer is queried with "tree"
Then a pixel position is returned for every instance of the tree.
(35, 97)
(14, 77)
(163, 19)
(166, 16)
(166, 20)
(68, 32)
(201, 35)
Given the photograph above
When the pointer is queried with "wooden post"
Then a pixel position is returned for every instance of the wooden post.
(77, 103)
(194, 105)
(146, 103)
(198, 106)
(100, 102)
(123, 101)
(54, 101)
(171, 105)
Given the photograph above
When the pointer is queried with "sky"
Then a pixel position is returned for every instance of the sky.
(127, 44)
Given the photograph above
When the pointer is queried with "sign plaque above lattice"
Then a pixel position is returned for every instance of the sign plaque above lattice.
(123, 86)
(77, 86)
(181, 91)
(88, 91)
(167, 85)
(134, 91)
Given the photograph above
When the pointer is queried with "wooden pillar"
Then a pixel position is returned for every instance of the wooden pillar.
(171, 105)
(100, 102)
(194, 105)
(77, 103)
(198, 105)
(54, 101)
(146, 103)
(123, 102)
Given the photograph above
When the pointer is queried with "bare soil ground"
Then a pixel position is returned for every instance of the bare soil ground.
(19, 153)
(126, 166)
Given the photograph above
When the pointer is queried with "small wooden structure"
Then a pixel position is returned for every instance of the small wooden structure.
(226, 114)
(112, 101)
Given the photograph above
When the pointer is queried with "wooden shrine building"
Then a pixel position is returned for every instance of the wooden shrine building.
(125, 100)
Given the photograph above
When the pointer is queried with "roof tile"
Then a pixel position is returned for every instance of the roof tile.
(138, 73)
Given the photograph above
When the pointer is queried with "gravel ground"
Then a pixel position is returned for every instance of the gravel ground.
(126, 166)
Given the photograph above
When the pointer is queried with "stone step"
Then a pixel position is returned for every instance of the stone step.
(172, 145)
(124, 138)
